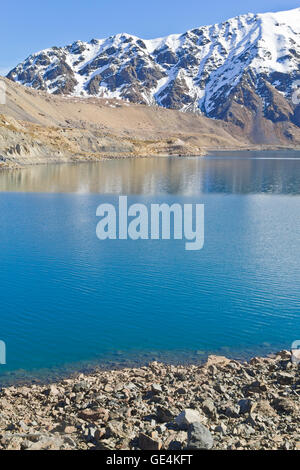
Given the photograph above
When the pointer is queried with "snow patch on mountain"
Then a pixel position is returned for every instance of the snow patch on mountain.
(198, 71)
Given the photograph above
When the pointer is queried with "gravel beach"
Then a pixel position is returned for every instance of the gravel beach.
(223, 404)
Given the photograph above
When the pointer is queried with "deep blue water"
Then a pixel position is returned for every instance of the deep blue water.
(69, 299)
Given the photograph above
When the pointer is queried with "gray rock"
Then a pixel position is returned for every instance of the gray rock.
(199, 437)
(156, 389)
(186, 418)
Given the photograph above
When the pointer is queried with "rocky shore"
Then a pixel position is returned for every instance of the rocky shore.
(223, 404)
(37, 129)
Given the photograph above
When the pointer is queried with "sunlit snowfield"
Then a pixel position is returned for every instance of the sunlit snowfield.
(70, 300)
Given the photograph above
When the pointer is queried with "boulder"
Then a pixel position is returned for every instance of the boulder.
(199, 437)
(187, 417)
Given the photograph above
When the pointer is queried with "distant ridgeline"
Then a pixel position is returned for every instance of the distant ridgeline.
(243, 69)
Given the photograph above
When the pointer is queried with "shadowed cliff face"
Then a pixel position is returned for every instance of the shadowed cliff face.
(230, 71)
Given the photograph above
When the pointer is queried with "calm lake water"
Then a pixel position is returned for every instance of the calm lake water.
(69, 300)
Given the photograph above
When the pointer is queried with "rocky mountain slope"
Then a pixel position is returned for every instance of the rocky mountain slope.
(242, 71)
(38, 128)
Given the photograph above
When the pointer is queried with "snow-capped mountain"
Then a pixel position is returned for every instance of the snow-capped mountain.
(247, 64)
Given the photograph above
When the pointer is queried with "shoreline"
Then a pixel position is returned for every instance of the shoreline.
(207, 152)
(247, 405)
(20, 166)
(38, 128)
(119, 359)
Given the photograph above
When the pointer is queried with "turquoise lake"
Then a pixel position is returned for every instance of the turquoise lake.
(70, 301)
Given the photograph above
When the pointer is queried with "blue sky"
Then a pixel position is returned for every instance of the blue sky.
(31, 25)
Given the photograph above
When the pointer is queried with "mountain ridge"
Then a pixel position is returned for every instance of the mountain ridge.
(193, 71)
(243, 71)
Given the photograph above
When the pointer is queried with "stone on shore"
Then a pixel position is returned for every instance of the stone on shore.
(199, 437)
(228, 405)
(187, 417)
(217, 360)
(148, 443)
